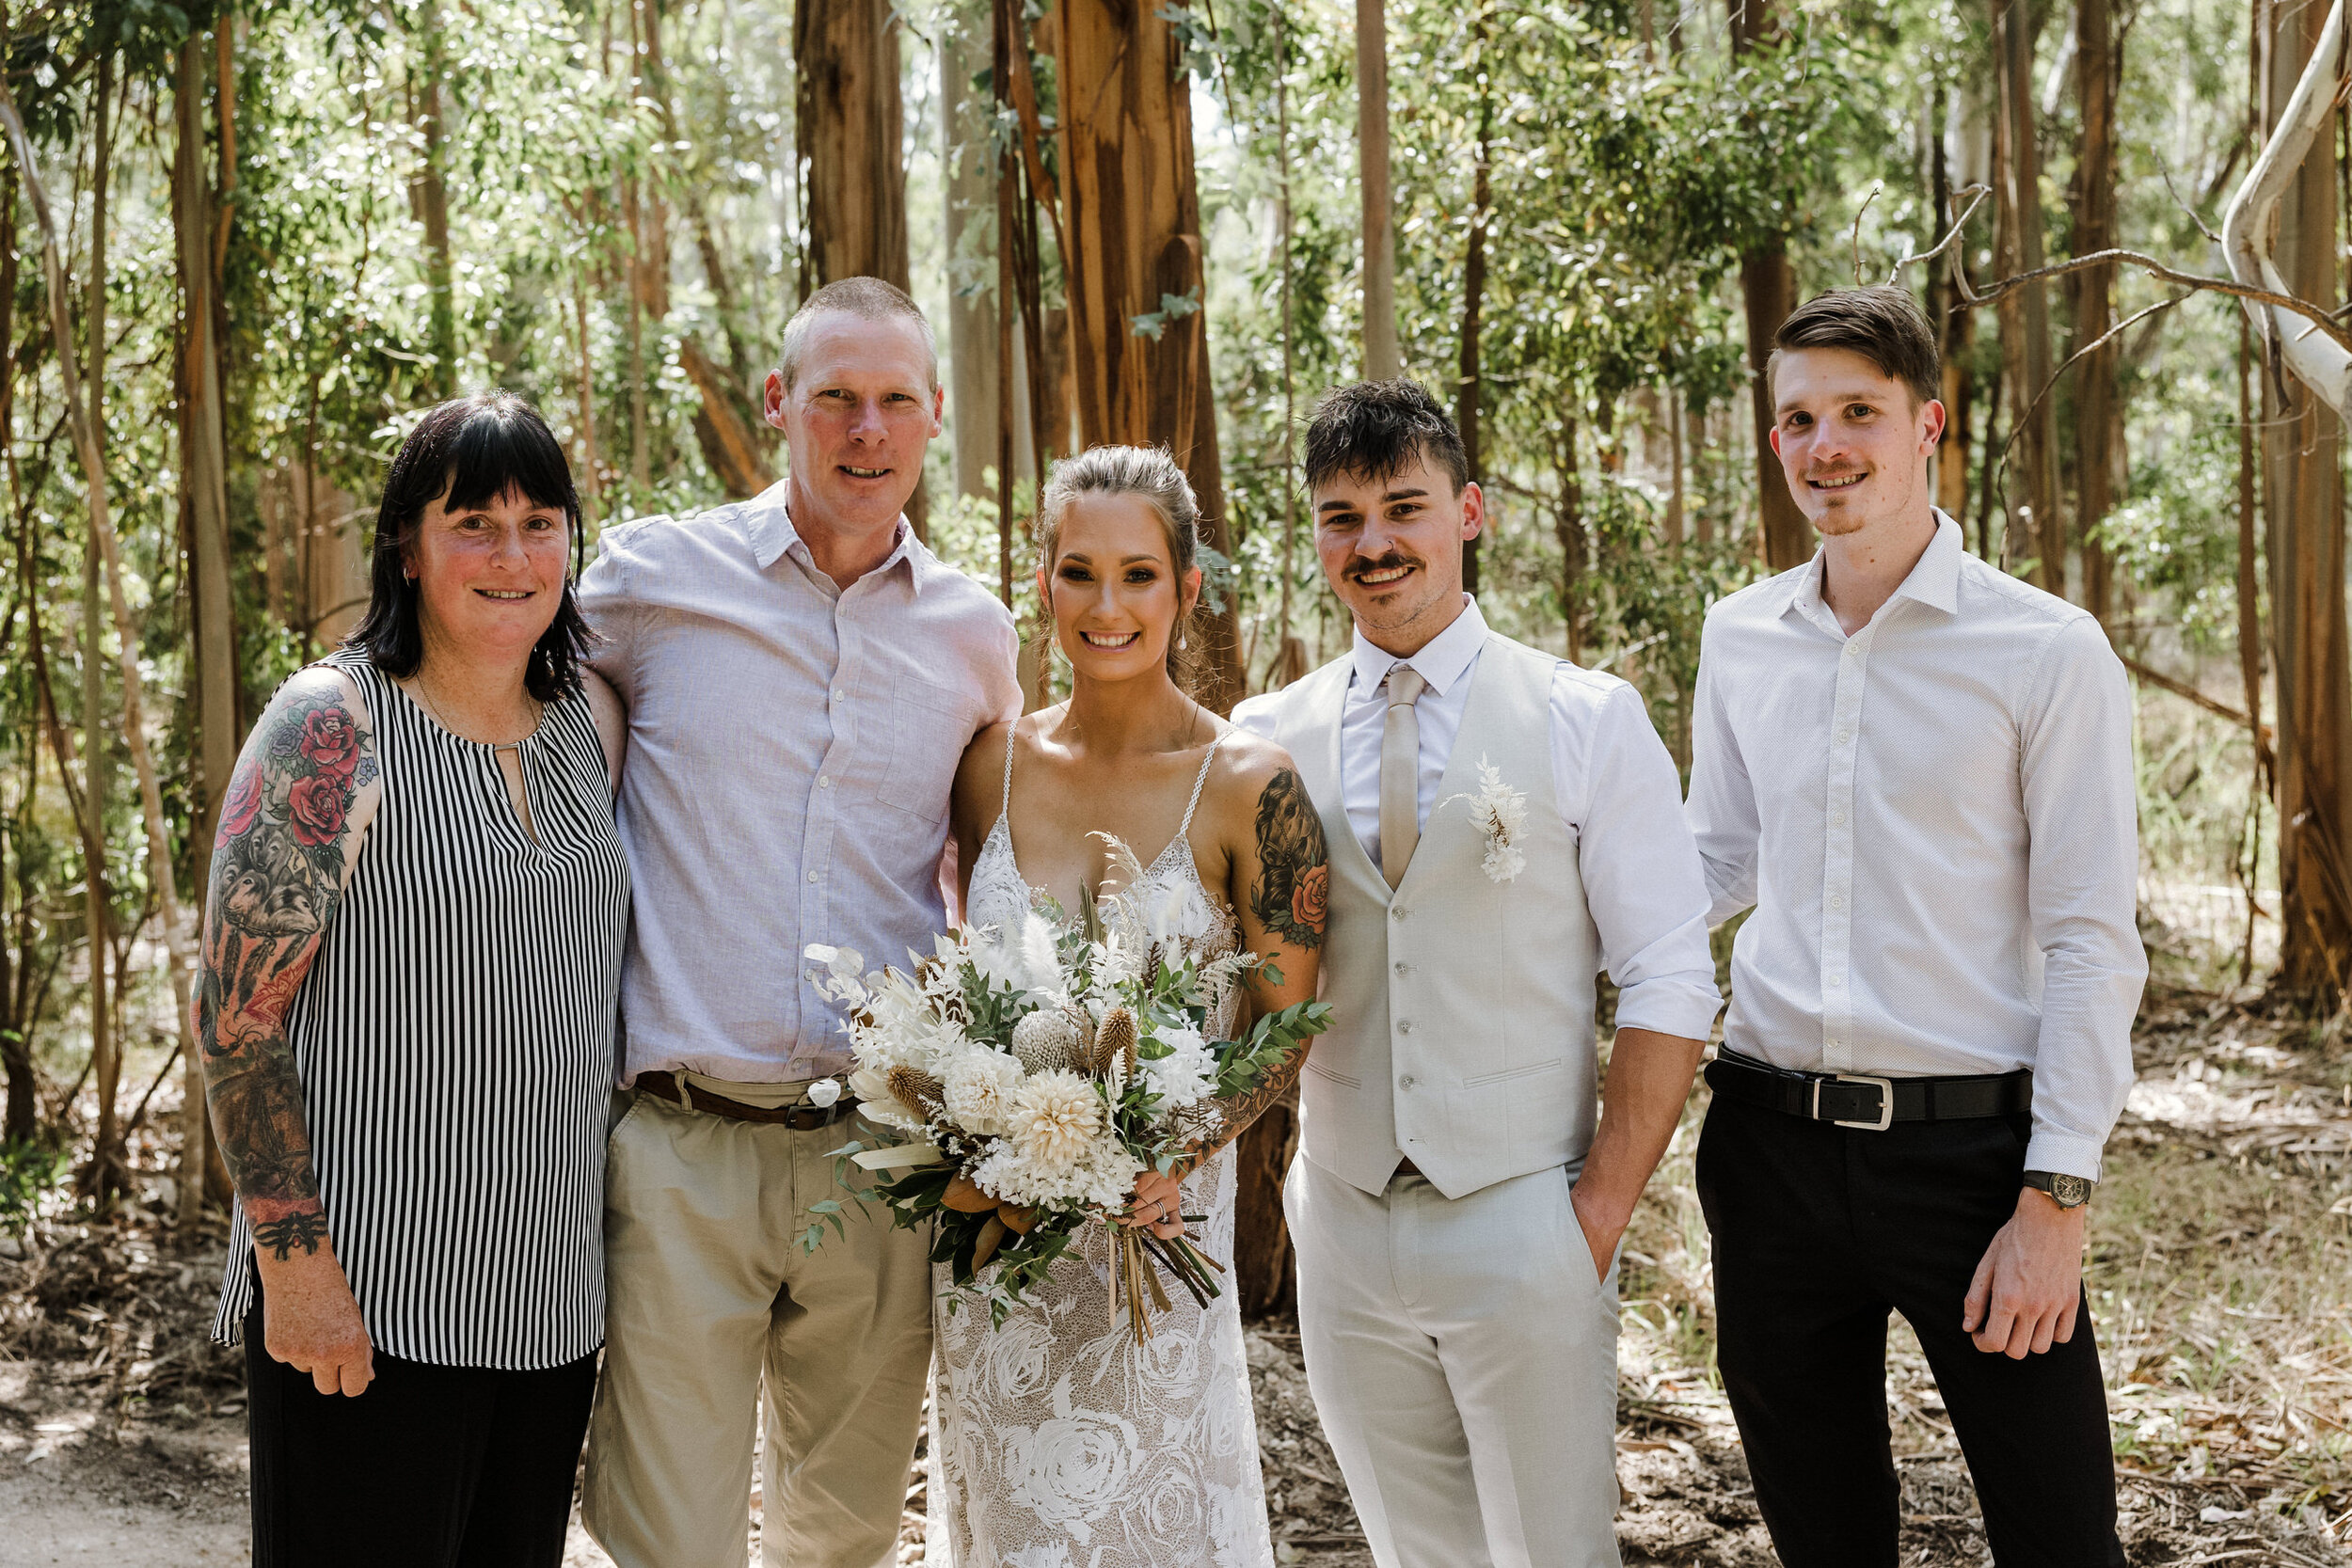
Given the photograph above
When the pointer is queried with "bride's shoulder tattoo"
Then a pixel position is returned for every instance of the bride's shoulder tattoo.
(1294, 870)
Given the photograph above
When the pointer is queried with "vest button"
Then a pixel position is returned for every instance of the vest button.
(1408, 1081)
(1403, 1026)
(1399, 912)
(1404, 967)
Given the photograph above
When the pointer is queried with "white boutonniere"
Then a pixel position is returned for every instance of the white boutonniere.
(1499, 812)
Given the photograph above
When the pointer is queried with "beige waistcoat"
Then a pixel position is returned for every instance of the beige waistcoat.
(1463, 1007)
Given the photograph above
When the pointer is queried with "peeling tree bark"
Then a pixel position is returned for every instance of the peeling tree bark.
(1131, 210)
(2280, 233)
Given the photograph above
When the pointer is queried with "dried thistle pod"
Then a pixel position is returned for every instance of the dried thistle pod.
(1046, 1040)
(916, 1090)
(1115, 1042)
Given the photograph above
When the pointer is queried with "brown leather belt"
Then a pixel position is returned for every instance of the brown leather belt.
(800, 1119)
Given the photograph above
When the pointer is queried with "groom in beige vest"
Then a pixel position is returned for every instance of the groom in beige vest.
(1504, 826)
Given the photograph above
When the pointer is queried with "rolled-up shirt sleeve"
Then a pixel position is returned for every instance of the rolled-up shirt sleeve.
(2082, 813)
(1641, 877)
(1721, 810)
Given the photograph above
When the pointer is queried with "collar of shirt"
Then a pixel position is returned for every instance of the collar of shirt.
(768, 526)
(1935, 579)
(1445, 661)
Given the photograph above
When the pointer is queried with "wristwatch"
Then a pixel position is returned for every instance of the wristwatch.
(2067, 1191)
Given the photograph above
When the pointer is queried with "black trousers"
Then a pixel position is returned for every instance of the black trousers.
(430, 1467)
(1818, 1232)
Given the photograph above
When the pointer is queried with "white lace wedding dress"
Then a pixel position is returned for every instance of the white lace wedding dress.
(1057, 1442)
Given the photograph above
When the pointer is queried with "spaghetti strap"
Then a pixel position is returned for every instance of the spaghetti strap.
(1004, 807)
(1194, 804)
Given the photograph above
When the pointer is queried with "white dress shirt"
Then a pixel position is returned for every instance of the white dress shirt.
(1935, 823)
(1615, 789)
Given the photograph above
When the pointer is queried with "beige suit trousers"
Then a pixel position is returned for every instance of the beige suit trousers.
(1464, 1359)
(712, 1302)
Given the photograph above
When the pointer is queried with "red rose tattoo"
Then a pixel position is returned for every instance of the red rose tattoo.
(330, 740)
(1310, 899)
(1293, 889)
(316, 809)
(241, 806)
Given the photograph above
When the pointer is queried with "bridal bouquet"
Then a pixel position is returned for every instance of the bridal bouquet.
(1025, 1078)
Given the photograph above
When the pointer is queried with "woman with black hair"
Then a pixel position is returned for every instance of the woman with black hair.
(411, 959)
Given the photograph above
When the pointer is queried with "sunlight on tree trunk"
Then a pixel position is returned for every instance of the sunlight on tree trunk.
(178, 938)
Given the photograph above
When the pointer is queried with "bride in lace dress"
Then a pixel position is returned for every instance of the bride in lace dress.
(1056, 1441)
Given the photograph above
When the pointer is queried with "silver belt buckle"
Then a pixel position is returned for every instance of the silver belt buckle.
(1886, 1101)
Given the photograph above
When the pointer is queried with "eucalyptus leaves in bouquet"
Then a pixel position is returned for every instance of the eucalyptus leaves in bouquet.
(1020, 1081)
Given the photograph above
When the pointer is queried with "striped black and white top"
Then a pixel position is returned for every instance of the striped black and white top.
(454, 1042)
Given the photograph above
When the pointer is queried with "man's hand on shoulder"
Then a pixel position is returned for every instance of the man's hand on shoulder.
(2028, 1286)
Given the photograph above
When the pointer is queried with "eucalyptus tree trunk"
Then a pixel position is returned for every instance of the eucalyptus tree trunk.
(1466, 388)
(1132, 211)
(1768, 289)
(204, 510)
(104, 1044)
(432, 185)
(179, 938)
(2098, 72)
(1382, 360)
(974, 386)
(850, 127)
(2304, 494)
(2026, 313)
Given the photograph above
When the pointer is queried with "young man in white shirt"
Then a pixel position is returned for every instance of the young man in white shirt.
(1917, 770)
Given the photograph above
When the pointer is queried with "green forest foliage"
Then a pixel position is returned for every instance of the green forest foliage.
(1631, 156)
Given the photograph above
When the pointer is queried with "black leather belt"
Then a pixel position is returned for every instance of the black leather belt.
(1859, 1099)
(800, 1119)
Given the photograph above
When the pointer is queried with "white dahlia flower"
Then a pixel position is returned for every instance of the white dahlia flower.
(978, 1090)
(1056, 1118)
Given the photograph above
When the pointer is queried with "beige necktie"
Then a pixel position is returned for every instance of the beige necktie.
(1400, 774)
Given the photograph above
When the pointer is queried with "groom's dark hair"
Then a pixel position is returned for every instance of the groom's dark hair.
(1375, 430)
(1883, 325)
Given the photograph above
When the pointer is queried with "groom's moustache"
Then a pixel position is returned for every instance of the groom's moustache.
(1386, 564)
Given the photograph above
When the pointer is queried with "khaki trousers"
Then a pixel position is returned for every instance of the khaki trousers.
(710, 1295)
(1464, 1360)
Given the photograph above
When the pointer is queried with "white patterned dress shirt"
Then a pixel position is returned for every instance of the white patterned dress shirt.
(1935, 823)
(1615, 789)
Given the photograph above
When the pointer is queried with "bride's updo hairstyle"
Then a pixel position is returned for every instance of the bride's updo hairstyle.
(1146, 472)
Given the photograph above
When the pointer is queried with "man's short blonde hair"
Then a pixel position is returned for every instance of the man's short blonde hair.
(867, 298)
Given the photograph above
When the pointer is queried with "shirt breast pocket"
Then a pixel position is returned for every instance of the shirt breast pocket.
(930, 726)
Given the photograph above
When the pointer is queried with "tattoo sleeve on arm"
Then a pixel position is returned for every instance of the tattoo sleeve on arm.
(1294, 883)
(278, 875)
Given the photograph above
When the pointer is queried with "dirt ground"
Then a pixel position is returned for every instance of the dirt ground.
(2220, 1276)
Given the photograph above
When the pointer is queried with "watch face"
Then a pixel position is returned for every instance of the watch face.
(2070, 1191)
